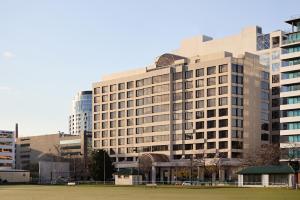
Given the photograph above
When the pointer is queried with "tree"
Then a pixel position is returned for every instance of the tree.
(101, 167)
(268, 154)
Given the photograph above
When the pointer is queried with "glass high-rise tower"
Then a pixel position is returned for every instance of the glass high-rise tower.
(80, 118)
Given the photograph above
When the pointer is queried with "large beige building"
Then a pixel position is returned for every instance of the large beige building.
(184, 109)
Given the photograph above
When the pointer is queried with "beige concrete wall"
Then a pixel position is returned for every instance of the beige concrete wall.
(15, 176)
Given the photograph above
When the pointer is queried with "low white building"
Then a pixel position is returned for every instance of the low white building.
(14, 176)
(128, 177)
(267, 176)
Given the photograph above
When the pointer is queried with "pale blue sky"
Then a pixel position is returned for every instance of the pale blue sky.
(52, 49)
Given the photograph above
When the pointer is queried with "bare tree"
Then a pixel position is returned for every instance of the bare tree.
(268, 154)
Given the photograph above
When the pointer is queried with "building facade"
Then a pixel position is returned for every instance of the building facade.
(184, 108)
(30, 150)
(290, 93)
(7, 149)
(54, 148)
(81, 114)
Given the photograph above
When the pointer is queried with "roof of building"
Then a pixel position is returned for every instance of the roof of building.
(271, 169)
(12, 170)
(293, 20)
(127, 171)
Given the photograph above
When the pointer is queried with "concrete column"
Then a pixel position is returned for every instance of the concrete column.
(291, 180)
(169, 175)
(161, 172)
(221, 175)
(240, 180)
(201, 174)
(213, 176)
(153, 173)
(265, 180)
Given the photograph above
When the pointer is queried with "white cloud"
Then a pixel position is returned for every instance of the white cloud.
(5, 88)
(8, 55)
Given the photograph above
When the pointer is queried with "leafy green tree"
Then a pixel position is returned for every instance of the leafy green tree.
(101, 166)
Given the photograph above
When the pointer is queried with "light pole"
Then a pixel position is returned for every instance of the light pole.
(104, 157)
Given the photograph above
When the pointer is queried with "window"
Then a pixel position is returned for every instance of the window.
(223, 79)
(199, 93)
(130, 103)
(211, 92)
(178, 76)
(223, 68)
(237, 90)
(223, 90)
(275, 67)
(200, 83)
(104, 107)
(211, 134)
(97, 108)
(237, 123)
(113, 88)
(199, 114)
(140, 83)
(236, 145)
(211, 113)
(188, 84)
(237, 112)
(237, 101)
(121, 95)
(199, 135)
(211, 145)
(237, 68)
(223, 134)
(264, 85)
(223, 145)
(189, 74)
(275, 103)
(97, 90)
(223, 101)
(188, 95)
(211, 81)
(139, 92)
(104, 98)
(188, 105)
(199, 72)
(113, 115)
(211, 102)
(199, 125)
(121, 86)
(130, 85)
(211, 124)
(129, 112)
(223, 123)
(223, 112)
(130, 94)
(275, 55)
(211, 70)
(199, 146)
(276, 78)
(177, 106)
(104, 89)
(237, 79)
(121, 104)
(200, 104)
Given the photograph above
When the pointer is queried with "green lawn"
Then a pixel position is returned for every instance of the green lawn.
(88, 192)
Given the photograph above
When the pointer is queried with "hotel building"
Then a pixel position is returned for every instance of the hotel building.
(182, 109)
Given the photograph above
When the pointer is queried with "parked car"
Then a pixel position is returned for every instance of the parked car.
(187, 183)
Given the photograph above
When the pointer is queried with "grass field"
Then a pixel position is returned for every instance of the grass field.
(88, 192)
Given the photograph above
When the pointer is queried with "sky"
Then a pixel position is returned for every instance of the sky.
(51, 49)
